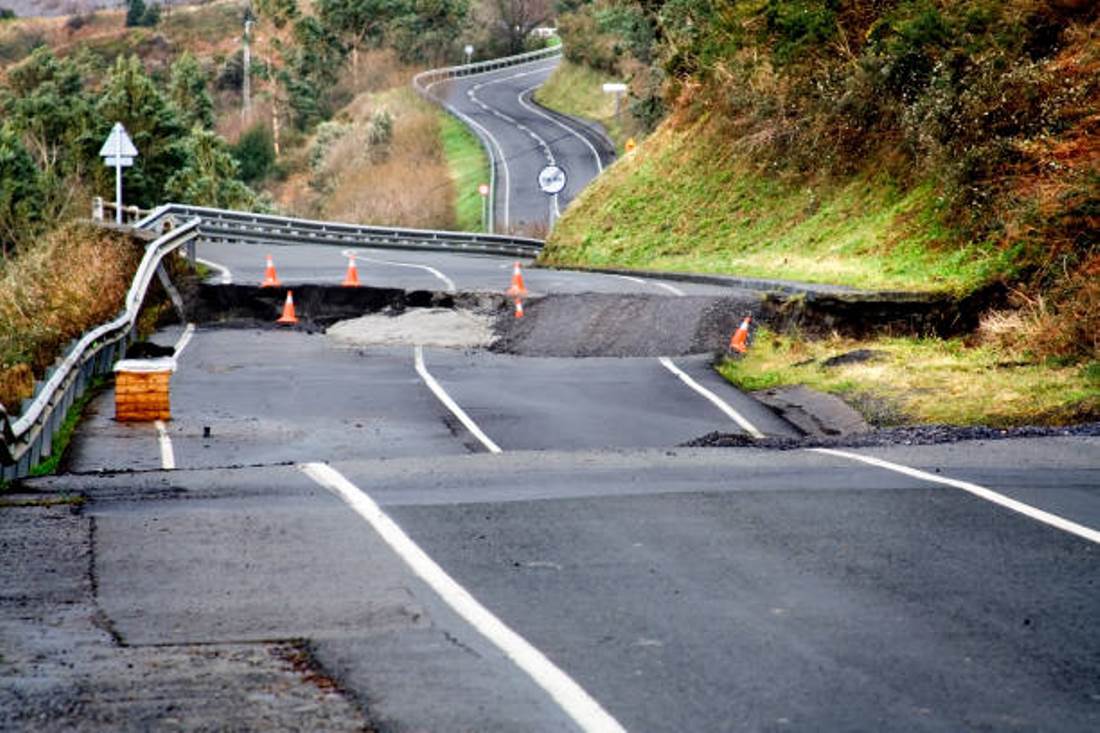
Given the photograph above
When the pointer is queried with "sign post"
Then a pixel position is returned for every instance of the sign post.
(618, 89)
(469, 53)
(118, 150)
(483, 189)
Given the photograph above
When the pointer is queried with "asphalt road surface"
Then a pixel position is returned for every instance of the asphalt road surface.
(673, 589)
(524, 138)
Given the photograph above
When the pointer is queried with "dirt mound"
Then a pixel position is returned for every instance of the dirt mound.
(462, 329)
(623, 325)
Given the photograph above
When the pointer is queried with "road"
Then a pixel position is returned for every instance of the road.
(678, 589)
(524, 138)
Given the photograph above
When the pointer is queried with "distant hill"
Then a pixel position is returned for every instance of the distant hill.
(55, 8)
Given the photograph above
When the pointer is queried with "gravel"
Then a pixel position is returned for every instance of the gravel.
(445, 327)
(916, 435)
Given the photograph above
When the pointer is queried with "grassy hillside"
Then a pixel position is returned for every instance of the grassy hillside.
(688, 200)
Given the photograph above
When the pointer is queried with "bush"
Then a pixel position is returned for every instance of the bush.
(254, 153)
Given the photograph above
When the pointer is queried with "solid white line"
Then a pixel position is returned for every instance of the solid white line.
(447, 282)
(227, 276)
(184, 339)
(535, 110)
(578, 704)
(167, 457)
(717, 401)
(674, 290)
(670, 288)
(451, 405)
(493, 142)
(980, 491)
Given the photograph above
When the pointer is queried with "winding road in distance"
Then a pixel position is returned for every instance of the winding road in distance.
(524, 138)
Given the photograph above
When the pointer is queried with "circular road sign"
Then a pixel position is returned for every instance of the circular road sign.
(483, 189)
(552, 180)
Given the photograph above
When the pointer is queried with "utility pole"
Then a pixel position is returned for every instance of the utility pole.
(246, 81)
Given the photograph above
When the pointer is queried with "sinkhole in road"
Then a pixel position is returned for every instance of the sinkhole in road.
(556, 325)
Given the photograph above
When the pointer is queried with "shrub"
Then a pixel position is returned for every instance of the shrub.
(255, 153)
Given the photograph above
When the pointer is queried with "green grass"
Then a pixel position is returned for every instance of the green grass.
(469, 167)
(925, 380)
(578, 90)
(689, 200)
(65, 434)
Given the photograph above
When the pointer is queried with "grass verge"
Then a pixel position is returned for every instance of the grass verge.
(689, 200)
(68, 427)
(578, 90)
(925, 381)
(469, 167)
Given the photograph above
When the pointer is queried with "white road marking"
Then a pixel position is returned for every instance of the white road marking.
(167, 457)
(717, 401)
(184, 339)
(670, 288)
(447, 282)
(571, 697)
(981, 492)
(227, 276)
(535, 110)
(451, 405)
(493, 142)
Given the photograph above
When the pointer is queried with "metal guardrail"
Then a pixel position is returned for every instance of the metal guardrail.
(29, 438)
(423, 82)
(223, 225)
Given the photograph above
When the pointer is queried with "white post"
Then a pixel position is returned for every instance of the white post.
(118, 179)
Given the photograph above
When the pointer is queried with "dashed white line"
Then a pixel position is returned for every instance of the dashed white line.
(167, 456)
(981, 492)
(562, 125)
(571, 697)
(451, 405)
(448, 283)
(717, 401)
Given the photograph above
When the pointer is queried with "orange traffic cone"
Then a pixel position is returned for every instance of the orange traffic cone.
(740, 340)
(519, 308)
(517, 288)
(288, 310)
(271, 280)
(351, 280)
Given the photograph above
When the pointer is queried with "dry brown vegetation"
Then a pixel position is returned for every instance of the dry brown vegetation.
(76, 279)
(347, 172)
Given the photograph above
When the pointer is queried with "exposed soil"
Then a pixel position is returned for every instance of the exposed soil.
(916, 435)
(624, 325)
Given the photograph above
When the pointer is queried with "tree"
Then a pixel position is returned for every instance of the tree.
(21, 200)
(129, 96)
(426, 30)
(140, 14)
(187, 90)
(361, 22)
(312, 70)
(515, 19)
(209, 178)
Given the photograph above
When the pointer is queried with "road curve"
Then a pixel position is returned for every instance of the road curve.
(523, 139)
